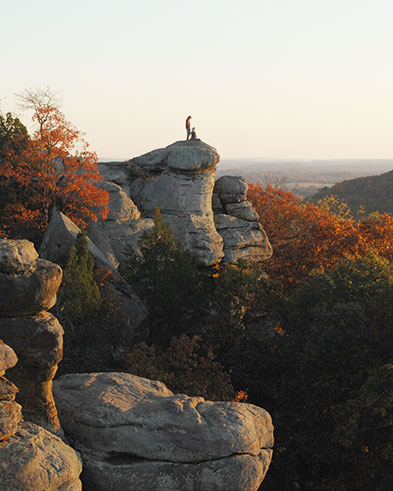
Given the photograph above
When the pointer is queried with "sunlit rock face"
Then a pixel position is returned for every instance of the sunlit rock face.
(179, 179)
(35, 459)
(237, 222)
(134, 433)
(28, 286)
(10, 411)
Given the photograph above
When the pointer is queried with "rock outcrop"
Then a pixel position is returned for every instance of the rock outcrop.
(179, 179)
(134, 433)
(123, 227)
(28, 286)
(237, 222)
(30, 457)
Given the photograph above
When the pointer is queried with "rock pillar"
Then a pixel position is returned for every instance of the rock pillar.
(28, 287)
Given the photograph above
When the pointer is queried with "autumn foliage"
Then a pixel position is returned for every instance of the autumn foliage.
(308, 236)
(55, 166)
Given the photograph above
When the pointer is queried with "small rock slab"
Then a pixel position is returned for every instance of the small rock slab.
(35, 459)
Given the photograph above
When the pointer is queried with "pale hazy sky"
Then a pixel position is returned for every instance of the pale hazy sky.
(266, 78)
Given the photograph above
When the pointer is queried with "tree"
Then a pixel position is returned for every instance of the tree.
(166, 277)
(330, 391)
(307, 236)
(55, 166)
(186, 366)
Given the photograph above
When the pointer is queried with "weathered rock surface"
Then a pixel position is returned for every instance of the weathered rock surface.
(122, 228)
(134, 430)
(34, 459)
(17, 256)
(28, 288)
(8, 358)
(10, 411)
(27, 285)
(38, 341)
(237, 222)
(179, 179)
(10, 417)
(60, 236)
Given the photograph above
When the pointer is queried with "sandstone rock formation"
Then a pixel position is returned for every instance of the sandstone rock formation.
(31, 458)
(237, 222)
(123, 227)
(28, 286)
(35, 459)
(10, 411)
(179, 179)
(135, 433)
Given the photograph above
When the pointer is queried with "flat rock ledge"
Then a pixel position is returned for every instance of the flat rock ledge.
(134, 433)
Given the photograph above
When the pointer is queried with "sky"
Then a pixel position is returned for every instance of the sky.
(273, 79)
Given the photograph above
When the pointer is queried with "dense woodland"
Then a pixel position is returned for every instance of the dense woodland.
(307, 335)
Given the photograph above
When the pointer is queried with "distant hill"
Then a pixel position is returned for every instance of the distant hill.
(374, 193)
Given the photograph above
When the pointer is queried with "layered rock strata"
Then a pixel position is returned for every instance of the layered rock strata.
(237, 222)
(28, 286)
(135, 433)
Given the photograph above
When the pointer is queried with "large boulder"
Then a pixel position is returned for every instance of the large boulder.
(134, 433)
(35, 459)
(179, 179)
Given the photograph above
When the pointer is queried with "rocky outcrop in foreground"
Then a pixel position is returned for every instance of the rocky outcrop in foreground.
(28, 286)
(31, 458)
(134, 433)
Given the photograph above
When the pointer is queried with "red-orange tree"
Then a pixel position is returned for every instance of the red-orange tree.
(55, 167)
(306, 236)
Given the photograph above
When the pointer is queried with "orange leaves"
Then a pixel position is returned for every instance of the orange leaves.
(306, 237)
(54, 167)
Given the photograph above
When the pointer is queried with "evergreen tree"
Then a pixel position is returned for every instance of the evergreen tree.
(80, 296)
(166, 277)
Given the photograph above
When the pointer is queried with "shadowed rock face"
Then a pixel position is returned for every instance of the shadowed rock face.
(28, 286)
(135, 430)
(179, 179)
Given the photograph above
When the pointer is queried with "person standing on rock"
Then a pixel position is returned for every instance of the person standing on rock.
(188, 126)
